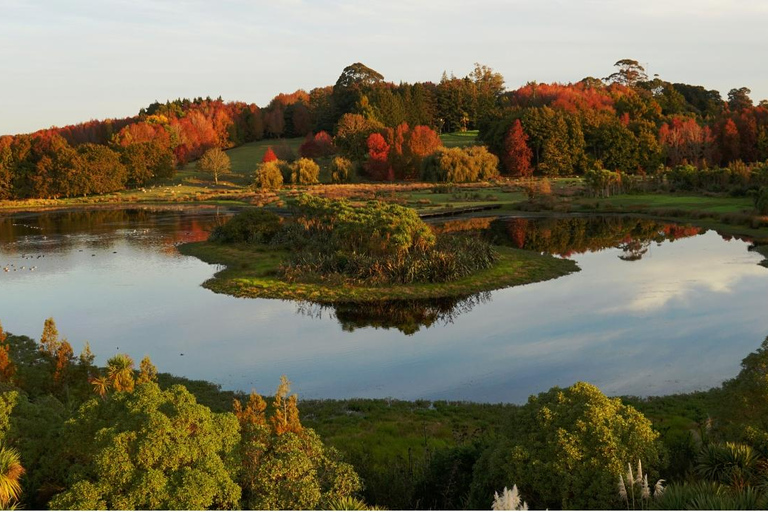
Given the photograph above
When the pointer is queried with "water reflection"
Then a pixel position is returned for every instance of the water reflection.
(407, 316)
(567, 236)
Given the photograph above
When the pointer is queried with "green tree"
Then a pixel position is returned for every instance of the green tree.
(566, 449)
(216, 162)
(630, 73)
(150, 449)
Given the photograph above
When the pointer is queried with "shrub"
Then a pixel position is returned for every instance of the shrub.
(269, 176)
(761, 201)
(251, 226)
(460, 165)
(377, 243)
(566, 449)
(342, 170)
(602, 183)
(304, 172)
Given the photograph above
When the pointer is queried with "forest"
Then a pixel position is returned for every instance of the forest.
(626, 123)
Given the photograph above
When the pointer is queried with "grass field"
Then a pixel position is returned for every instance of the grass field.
(459, 139)
(655, 201)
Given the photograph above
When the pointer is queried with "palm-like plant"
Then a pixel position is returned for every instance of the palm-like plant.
(733, 464)
(10, 473)
(100, 386)
(120, 372)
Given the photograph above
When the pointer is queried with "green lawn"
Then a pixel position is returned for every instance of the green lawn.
(692, 202)
(459, 139)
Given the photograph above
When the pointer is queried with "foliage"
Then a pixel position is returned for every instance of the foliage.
(566, 449)
(253, 225)
(761, 201)
(459, 165)
(602, 183)
(317, 146)
(342, 170)
(216, 162)
(284, 465)
(269, 176)
(352, 132)
(710, 496)
(517, 155)
(269, 156)
(149, 449)
(11, 472)
(305, 172)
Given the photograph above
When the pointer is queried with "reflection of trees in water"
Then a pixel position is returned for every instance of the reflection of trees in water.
(101, 226)
(407, 316)
(574, 235)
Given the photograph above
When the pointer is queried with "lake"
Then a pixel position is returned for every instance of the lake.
(656, 309)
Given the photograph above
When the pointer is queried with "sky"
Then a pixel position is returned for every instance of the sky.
(68, 61)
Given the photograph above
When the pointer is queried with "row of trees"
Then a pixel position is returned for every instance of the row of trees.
(625, 122)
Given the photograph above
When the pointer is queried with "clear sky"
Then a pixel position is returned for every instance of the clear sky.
(67, 61)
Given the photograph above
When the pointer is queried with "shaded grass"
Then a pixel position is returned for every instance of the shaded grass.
(252, 272)
(459, 139)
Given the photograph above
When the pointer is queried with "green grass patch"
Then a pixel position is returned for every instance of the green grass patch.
(252, 272)
(459, 139)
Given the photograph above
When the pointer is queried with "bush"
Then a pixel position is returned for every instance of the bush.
(376, 243)
(566, 449)
(761, 201)
(602, 183)
(342, 170)
(249, 226)
(305, 172)
(460, 165)
(269, 176)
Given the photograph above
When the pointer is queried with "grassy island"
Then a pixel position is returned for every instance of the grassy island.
(333, 251)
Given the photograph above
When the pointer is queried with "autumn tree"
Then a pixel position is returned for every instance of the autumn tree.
(49, 341)
(147, 371)
(377, 166)
(284, 465)
(269, 156)
(216, 162)
(517, 155)
(7, 367)
(342, 170)
(352, 133)
(305, 172)
(269, 176)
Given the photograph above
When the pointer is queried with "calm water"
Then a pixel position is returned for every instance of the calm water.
(656, 309)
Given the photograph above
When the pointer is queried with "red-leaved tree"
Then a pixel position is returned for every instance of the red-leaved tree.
(377, 166)
(269, 156)
(517, 155)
